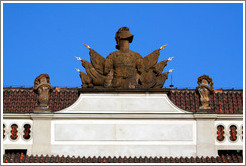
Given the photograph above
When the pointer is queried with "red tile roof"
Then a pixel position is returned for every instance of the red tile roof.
(21, 100)
(222, 101)
(20, 158)
(24, 100)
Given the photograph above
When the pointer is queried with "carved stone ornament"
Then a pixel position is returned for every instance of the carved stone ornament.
(204, 90)
(123, 69)
(43, 88)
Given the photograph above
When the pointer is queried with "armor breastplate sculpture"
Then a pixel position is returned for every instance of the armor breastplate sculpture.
(124, 69)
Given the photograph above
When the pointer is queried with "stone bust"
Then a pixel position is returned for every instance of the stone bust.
(123, 69)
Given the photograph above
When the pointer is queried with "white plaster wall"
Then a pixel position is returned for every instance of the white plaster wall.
(42, 137)
(205, 137)
(124, 137)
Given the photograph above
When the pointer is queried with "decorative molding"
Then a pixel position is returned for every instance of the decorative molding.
(5, 131)
(220, 133)
(20, 123)
(24, 130)
(227, 124)
(14, 133)
(57, 115)
(172, 123)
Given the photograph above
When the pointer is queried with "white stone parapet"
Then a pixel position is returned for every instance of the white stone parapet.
(123, 103)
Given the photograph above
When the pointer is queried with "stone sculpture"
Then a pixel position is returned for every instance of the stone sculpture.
(124, 69)
(204, 90)
(43, 88)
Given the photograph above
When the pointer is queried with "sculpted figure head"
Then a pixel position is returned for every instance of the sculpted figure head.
(123, 34)
(43, 88)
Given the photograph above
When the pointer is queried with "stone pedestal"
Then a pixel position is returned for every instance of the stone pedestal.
(40, 109)
(207, 110)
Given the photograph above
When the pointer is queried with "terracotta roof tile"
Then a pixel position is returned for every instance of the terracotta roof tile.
(20, 158)
(229, 101)
(24, 100)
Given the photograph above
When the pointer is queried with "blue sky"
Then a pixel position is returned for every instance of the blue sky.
(44, 38)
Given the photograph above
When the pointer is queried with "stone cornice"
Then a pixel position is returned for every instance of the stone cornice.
(122, 116)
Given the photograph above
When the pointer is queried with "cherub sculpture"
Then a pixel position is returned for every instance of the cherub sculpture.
(43, 88)
(204, 89)
(124, 69)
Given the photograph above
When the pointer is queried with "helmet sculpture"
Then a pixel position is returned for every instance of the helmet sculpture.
(123, 33)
